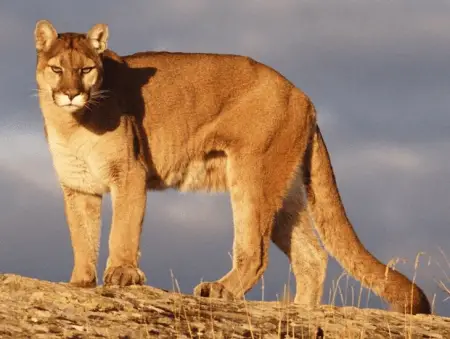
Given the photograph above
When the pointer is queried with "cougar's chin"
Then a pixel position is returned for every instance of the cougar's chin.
(71, 108)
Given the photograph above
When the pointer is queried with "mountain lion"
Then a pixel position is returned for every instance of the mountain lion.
(158, 120)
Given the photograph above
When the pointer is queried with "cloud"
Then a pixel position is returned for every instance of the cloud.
(33, 163)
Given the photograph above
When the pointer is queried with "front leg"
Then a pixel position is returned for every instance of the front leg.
(83, 216)
(128, 195)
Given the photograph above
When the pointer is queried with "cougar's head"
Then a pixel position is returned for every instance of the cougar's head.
(69, 69)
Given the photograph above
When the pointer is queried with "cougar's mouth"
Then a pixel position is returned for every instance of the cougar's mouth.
(71, 103)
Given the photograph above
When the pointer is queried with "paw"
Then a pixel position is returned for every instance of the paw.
(123, 276)
(85, 280)
(213, 290)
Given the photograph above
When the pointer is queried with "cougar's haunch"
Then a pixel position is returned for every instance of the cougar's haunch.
(157, 120)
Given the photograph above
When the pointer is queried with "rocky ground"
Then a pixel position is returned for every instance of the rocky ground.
(31, 308)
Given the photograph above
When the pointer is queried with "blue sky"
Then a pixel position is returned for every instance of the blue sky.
(377, 72)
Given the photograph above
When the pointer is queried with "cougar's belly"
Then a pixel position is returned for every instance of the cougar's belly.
(207, 173)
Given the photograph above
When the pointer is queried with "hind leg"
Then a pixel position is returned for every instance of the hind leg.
(254, 200)
(260, 169)
(294, 234)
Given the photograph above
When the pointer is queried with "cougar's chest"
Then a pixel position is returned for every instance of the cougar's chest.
(74, 165)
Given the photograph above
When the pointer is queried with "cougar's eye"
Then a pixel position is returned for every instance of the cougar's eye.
(56, 69)
(86, 70)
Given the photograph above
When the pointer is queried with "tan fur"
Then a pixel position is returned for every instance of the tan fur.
(152, 121)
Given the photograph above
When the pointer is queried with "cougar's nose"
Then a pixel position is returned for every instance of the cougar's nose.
(71, 93)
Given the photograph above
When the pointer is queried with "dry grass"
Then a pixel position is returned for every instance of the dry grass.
(444, 283)
(287, 327)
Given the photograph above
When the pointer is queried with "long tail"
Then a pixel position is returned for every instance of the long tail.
(341, 241)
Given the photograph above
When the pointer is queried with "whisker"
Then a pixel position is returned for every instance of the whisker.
(98, 97)
(92, 104)
(100, 93)
(103, 91)
(36, 92)
(88, 107)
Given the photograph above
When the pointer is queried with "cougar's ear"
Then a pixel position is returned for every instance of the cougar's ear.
(98, 37)
(44, 35)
